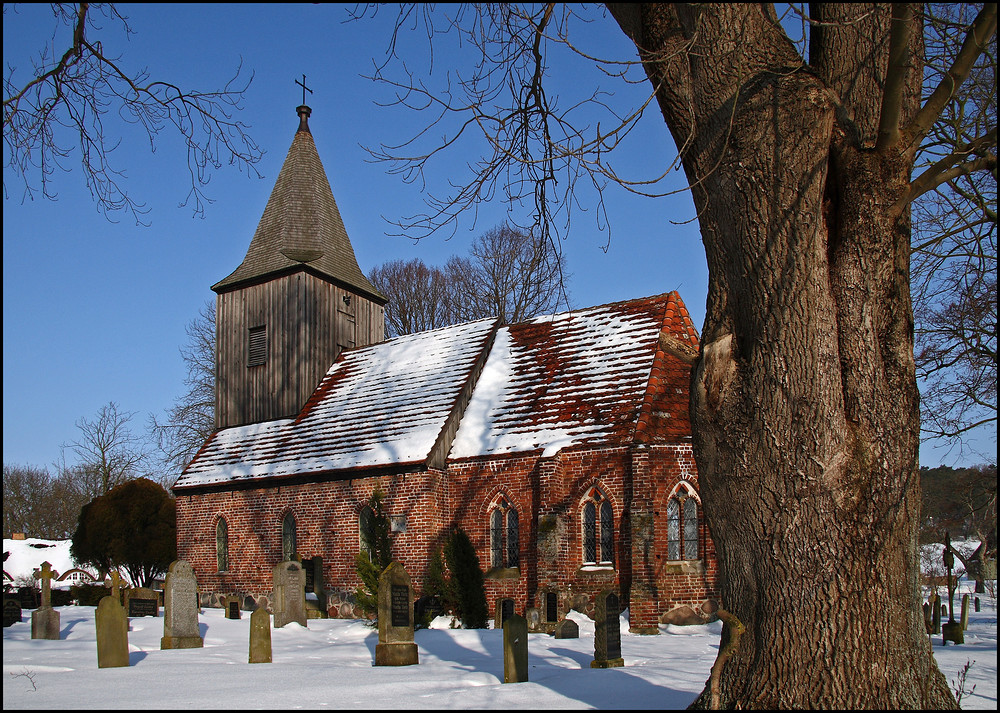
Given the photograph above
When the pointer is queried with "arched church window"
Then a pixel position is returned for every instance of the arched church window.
(598, 529)
(289, 545)
(222, 545)
(682, 526)
(505, 545)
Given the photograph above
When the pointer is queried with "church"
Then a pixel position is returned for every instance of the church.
(561, 445)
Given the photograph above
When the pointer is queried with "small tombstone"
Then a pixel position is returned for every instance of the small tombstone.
(395, 645)
(289, 593)
(952, 631)
(567, 629)
(965, 612)
(928, 624)
(231, 605)
(515, 649)
(504, 610)
(425, 609)
(607, 632)
(45, 619)
(112, 631)
(534, 618)
(977, 604)
(11, 611)
(260, 636)
(142, 602)
(180, 608)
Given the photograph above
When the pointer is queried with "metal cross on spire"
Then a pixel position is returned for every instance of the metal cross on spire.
(304, 88)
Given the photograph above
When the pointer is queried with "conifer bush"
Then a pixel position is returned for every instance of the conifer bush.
(466, 581)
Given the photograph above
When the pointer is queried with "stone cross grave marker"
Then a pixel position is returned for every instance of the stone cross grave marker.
(180, 608)
(45, 619)
(289, 593)
(112, 630)
(142, 601)
(515, 649)
(260, 636)
(395, 645)
(607, 632)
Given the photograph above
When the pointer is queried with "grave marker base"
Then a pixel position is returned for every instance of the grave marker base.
(396, 654)
(607, 663)
(181, 642)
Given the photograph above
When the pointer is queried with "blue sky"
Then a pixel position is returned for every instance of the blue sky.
(95, 311)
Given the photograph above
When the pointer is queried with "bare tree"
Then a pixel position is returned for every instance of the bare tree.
(955, 242)
(109, 452)
(68, 98)
(507, 274)
(419, 296)
(191, 420)
(39, 504)
(805, 407)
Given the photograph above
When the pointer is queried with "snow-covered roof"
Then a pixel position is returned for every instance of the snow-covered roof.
(593, 375)
(28, 554)
(378, 406)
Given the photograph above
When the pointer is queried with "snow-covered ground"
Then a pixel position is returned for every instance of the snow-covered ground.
(330, 665)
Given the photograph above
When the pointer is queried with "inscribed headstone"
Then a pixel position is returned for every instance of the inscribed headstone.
(607, 632)
(180, 608)
(45, 619)
(260, 636)
(395, 645)
(112, 632)
(231, 605)
(142, 601)
(289, 593)
(515, 649)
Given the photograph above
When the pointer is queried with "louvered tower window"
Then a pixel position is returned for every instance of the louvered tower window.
(257, 346)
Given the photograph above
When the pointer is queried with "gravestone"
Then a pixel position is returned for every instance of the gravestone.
(515, 649)
(142, 602)
(180, 608)
(607, 632)
(112, 630)
(315, 589)
(928, 624)
(260, 636)
(45, 619)
(534, 618)
(11, 611)
(977, 604)
(935, 615)
(289, 593)
(231, 605)
(567, 629)
(965, 612)
(503, 611)
(426, 609)
(395, 645)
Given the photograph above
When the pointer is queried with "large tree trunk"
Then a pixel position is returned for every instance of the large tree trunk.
(804, 399)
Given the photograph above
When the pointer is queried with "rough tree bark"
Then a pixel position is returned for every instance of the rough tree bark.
(804, 398)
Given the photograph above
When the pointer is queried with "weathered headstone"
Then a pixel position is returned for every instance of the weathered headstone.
(567, 629)
(231, 605)
(534, 618)
(607, 632)
(928, 624)
(395, 645)
(142, 601)
(260, 636)
(11, 611)
(965, 612)
(425, 609)
(289, 593)
(515, 649)
(503, 611)
(180, 608)
(112, 631)
(935, 615)
(977, 604)
(45, 619)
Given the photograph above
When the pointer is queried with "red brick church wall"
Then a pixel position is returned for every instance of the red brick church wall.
(548, 494)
